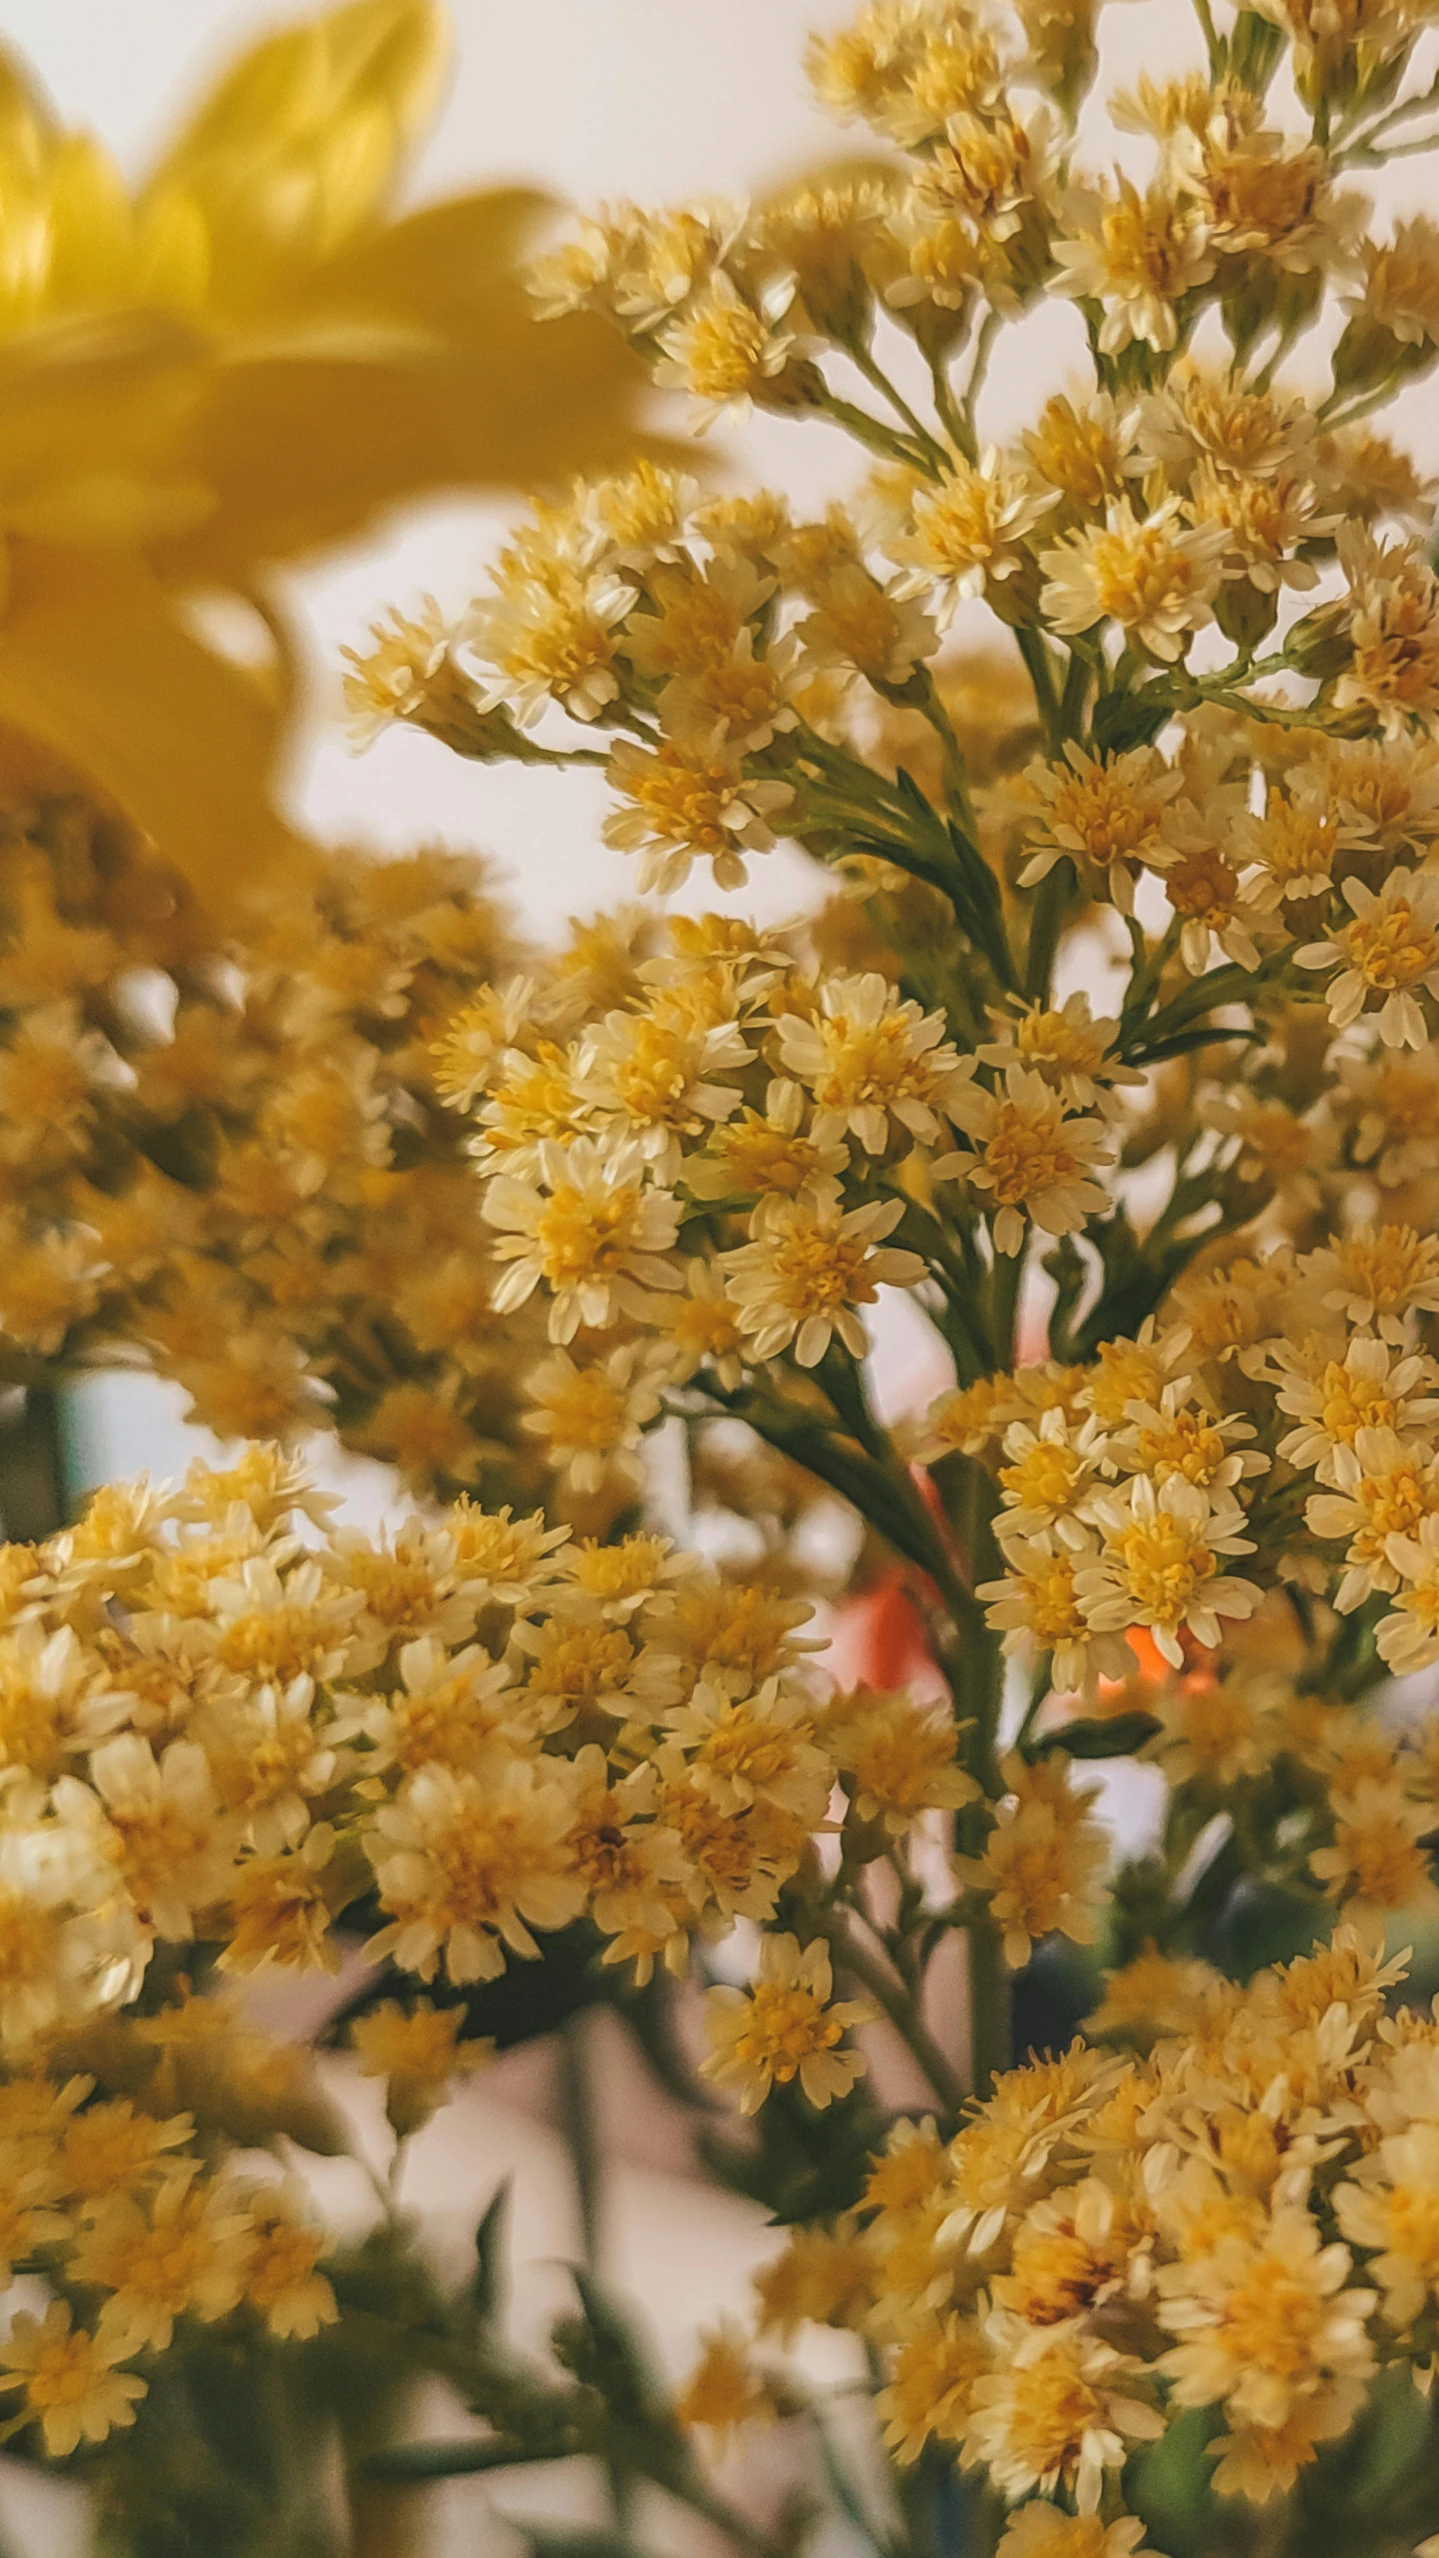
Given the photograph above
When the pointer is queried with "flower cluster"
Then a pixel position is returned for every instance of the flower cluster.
(229, 1730)
(1237, 2216)
(223, 1153)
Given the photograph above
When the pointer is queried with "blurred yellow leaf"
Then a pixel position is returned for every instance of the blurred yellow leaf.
(301, 451)
(94, 663)
(241, 363)
(299, 143)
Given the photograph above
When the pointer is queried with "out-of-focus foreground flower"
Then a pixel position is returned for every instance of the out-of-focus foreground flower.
(241, 361)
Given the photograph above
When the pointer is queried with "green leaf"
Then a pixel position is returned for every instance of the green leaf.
(487, 2291)
(621, 2367)
(1122, 720)
(1116, 1736)
(413, 2464)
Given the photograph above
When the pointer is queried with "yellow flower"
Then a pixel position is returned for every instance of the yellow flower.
(724, 2390)
(1031, 1158)
(181, 2254)
(812, 1264)
(1054, 2412)
(690, 797)
(1392, 2209)
(897, 1757)
(1042, 1861)
(824, 2275)
(1266, 2323)
(590, 1417)
(1153, 575)
(1137, 254)
(254, 296)
(1386, 956)
(1041, 2530)
(930, 2390)
(1377, 1865)
(589, 1225)
(1392, 615)
(968, 528)
(69, 2377)
(869, 1060)
(1159, 1564)
(787, 2026)
(280, 2277)
(461, 1865)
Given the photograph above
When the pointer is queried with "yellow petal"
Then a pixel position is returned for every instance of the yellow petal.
(94, 664)
(295, 149)
(27, 120)
(96, 428)
(303, 454)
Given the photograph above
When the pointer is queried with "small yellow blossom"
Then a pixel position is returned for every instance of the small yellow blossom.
(787, 2027)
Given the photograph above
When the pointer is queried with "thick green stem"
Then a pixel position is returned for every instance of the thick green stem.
(989, 2008)
(1035, 654)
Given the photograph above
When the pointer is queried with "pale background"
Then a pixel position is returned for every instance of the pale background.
(591, 99)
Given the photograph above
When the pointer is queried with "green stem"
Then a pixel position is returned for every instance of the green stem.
(873, 432)
(879, 380)
(1046, 917)
(1035, 654)
(989, 329)
(990, 2026)
(956, 427)
(577, 2122)
(901, 2007)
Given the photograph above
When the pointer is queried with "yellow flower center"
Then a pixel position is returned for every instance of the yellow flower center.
(585, 1412)
(578, 1237)
(724, 347)
(444, 1722)
(740, 1745)
(283, 2257)
(1390, 947)
(1044, 1477)
(1350, 1401)
(25, 1946)
(151, 1844)
(1413, 2217)
(1053, 2407)
(64, 2372)
(1027, 1152)
(1057, 2273)
(1203, 887)
(817, 1271)
(1143, 247)
(1164, 1567)
(582, 1662)
(787, 2025)
(757, 1157)
(1112, 819)
(558, 646)
(1388, 1268)
(1051, 1609)
(30, 1735)
(1187, 1446)
(480, 1862)
(685, 792)
(1272, 2321)
(277, 1643)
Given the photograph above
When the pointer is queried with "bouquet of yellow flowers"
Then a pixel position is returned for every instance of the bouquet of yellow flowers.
(1107, 1068)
